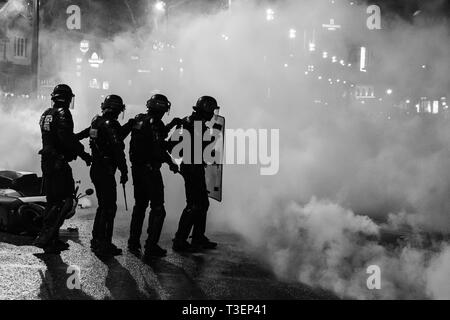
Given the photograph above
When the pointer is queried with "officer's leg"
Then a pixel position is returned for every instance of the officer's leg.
(66, 190)
(202, 205)
(141, 197)
(60, 201)
(156, 216)
(68, 193)
(47, 232)
(97, 232)
(199, 228)
(199, 239)
(111, 207)
(155, 223)
(186, 219)
(107, 186)
(48, 182)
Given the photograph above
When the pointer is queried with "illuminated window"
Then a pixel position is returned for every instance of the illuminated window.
(4, 50)
(20, 47)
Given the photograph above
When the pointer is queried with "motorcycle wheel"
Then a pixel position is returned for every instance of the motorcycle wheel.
(31, 217)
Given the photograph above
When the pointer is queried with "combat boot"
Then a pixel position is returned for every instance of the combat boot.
(52, 248)
(61, 245)
(44, 238)
(102, 250)
(180, 245)
(203, 243)
(154, 251)
(94, 244)
(135, 250)
(114, 250)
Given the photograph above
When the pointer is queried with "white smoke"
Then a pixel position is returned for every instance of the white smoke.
(20, 136)
(10, 10)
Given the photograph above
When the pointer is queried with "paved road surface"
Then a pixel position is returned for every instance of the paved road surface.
(227, 273)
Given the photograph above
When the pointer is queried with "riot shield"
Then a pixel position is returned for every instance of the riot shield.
(214, 172)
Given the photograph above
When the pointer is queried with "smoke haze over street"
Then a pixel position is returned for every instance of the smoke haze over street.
(347, 171)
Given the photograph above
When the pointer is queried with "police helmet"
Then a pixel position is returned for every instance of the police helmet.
(206, 104)
(63, 93)
(113, 103)
(159, 102)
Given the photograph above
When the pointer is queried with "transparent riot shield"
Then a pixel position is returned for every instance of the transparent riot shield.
(214, 171)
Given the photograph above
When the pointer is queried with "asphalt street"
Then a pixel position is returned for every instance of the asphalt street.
(230, 272)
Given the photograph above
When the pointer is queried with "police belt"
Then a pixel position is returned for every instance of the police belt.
(50, 153)
(148, 165)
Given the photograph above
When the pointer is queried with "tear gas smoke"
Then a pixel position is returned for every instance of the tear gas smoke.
(342, 166)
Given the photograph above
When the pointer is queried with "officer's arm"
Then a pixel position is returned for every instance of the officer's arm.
(176, 122)
(172, 142)
(115, 137)
(126, 128)
(66, 135)
(164, 153)
(84, 134)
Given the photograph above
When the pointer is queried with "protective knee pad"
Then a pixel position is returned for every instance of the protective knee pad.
(110, 209)
(110, 213)
(66, 208)
(141, 205)
(159, 211)
(51, 212)
(199, 209)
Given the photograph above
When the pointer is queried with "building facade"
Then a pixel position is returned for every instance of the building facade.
(16, 45)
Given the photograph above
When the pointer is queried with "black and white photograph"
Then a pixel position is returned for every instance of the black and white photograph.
(219, 156)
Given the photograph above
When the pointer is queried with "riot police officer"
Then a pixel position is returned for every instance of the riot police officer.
(197, 202)
(148, 151)
(59, 147)
(106, 142)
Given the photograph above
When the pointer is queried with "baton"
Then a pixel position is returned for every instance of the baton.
(125, 196)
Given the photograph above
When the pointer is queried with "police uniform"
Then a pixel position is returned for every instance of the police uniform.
(148, 151)
(60, 147)
(194, 215)
(108, 155)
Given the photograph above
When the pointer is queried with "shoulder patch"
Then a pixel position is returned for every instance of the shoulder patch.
(93, 133)
(46, 121)
(139, 121)
(138, 125)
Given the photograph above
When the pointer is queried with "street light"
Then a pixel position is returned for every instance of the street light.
(84, 46)
(95, 61)
(159, 9)
(160, 6)
(270, 14)
(292, 33)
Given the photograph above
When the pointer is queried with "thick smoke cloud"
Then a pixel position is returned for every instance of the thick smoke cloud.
(20, 136)
(343, 167)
